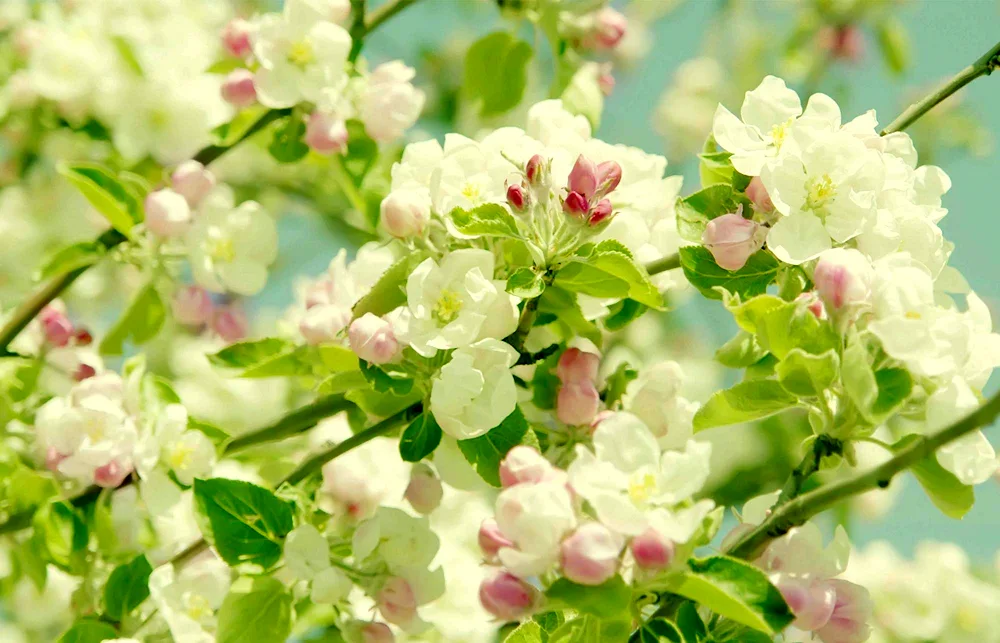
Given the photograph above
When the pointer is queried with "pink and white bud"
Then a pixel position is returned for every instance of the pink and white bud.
(517, 197)
(405, 213)
(583, 178)
(812, 601)
(193, 181)
(53, 458)
(609, 175)
(376, 633)
(56, 326)
(600, 212)
(507, 597)
(322, 323)
(843, 278)
(535, 169)
(111, 475)
(238, 89)
(491, 539)
(758, 196)
(651, 550)
(326, 133)
(844, 43)
(396, 602)
(590, 555)
(731, 239)
(192, 306)
(813, 303)
(524, 465)
(424, 490)
(84, 371)
(577, 403)
(236, 38)
(609, 29)
(230, 323)
(372, 339)
(167, 213)
(851, 614)
(576, 365)
(576, 204)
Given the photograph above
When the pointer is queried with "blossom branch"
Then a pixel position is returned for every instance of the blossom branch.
(664, 264)
(982, 67)
(798, 510)
(822, 446)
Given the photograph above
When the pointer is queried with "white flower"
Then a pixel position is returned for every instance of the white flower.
(456, 302)
(301, 56)
(406, 545)
(330, 586)
(654, 397)
(800, 553)
(552, 124)
(390, 103)
(971, 458)
(535, 517)
(626, 475)
(307, 553)
(188, 600)
(475, 391)
(230, 249)
(167, 440)
(469, 174)
(766, 115)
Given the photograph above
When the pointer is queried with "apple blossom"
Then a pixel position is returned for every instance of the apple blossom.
(524, 464)
(517, 198)
(325, 133)
(535, 518)
(590, 555)
(230, 249)
(390, 104)
(405, 213)
(758, 195)
(56, 326)
(507, 597)
(731, 239)
(651, 550)
(376, 633)
(843, 279)
(192, 306)
(236, 38)
(372, 339)
(491, 540)
(576, 365)
(330, 585)
(239, 89)
(609, 29)
(167, 213)
(577, 403)
(307, 552)
(424, 490)
(230, 322)
(193, 181)
(474, 391)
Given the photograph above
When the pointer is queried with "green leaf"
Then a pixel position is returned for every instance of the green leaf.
(617, 382)
(736, 590)
(485, 452)
(690, 624)
(140, 321)
(714, 166)
(287, 145)
(658, 630)
(127, 588)
(894, 388)
(608, 601)
(496, 72)
(781, 325)
(696, 210)
(577, 276)
(61, 535)
(705, 275)
(609, 272)
(741, 351)
(623, 313)
(808, 375)
(528, 632)
(389, 292)
(127, 54)
(746, 401)
(894, 43)
(525, 283)
(857, 375)
(69, 258)
(88, 630)
(545, 383)
(948, 494)
(420, 438)
(232, 132)
(256, 610)
(248, 524)
(487, 220)
(105, 193)
(225, 66)
(562, 305)
(268, 357)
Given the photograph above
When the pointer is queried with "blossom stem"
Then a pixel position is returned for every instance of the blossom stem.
(664, 264)
(798, 510)
(982, 67)
(346, 184)
(822, 446)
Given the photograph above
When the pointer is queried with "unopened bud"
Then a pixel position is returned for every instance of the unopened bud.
(193, 181)
(325, 133)
(192, 306)
(236, 38)
(811, 601)
(376, 633)
(405, 213)
(507, 597)
(813, 303)
(583, 178)
(53, 458)
(609, 175)
(424, 490)
(577, 403)
(843, 278)
(652, 550)
(491, 539)
(758, 196)
(230, 323)
(322, 323)
(56, 326)
(535, 169)
(589, 556)
(609, 29)
(576, 365)
(238, 88)
(110, 475)
(167, 213)
(844, 42)
(517, 198)
(731, 239)
(372, 339)
(600, 212)
(575, 204)
(84, 371)
(82, 337)
(396, 601)
(524, 464)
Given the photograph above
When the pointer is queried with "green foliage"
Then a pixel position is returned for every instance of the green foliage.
(782, 326)
(485, 452)
(876, 395)
(277, 357)
(607, 602)
(690, 624)
(528, 632)
(71, 257)
(232, 132)
(487, 220)
(88, 630)
(287, 145)
(106, 193)
(127, 588)
(617, 382)
(622, 313)
(953, 498)
(658, 630)
(894, 44)
(61, 535)
(808, 375)
(696, 210)
(562, 306)
(389, 292)
(257, 609)
(140, 321)
(420, 438)
(608, 272)
(496, 72)
(750, 400)
(246, 523)
(526, 283)
(362, 152)
(704, 274)
(741, 351)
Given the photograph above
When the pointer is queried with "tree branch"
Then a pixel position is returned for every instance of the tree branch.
(798, 510)
(822, 446)
(384, 12)
(664, 264)
(982, 67)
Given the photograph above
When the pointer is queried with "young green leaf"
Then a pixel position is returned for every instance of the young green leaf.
(287, 145)
(608, 601)
(608, 272)
(622, 313)
(127, 588)
(485, 452)
(690, 624)
(808, 375)
(746, 401)
(268, 357)
(106, 193)
(247, 523)
(741, 351)
(69, 258)
(527, 632)
(696, 210)
(140, 321)
(389, 292)
(658, 630)
(617, 382)
(487, 220)
(420, 438)
(953, 498)
(88, 630)
(525, 283)
(496, 72)
(706, 275)
(257, 609)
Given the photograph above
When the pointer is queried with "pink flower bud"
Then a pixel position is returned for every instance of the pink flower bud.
(851, 614)
(325, 133)
(82, 337)
(84, 371)
(589, 556)
(236, 38)
(651, 550)
(811, 601)
(600, 212)
(238, 88)
(192, 306)
(577, 403)
(583, 178)
(323, 322)
(491, 539)
(376, 633)
(507, 597)
(535, 169)
(405, 213)
(758, 196)
(230, 323)
(167, 213)
(53, 458)
(517, 197)
(193, 181)
(56, 325)
(844, 42)
(575, 204)
(321, 293)
(813, 303)
(396, 602)
(523, 464)
(609, 29)
(424, 490)
(731, 239)
(110, 475)
(372, 339)
(609, 175)
(843, 278)
(576, 365)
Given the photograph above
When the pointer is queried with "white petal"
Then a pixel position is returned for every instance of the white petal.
(798, 238)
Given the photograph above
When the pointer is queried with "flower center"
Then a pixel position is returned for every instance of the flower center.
(779, 131)
(301, 53)
(472, 191)
(912, 314)
(641, 486)
(196, 606)
(447, 307)
(220, 248)
(179, 456)
(819, 191)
